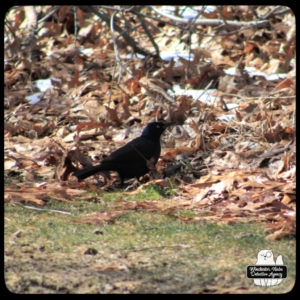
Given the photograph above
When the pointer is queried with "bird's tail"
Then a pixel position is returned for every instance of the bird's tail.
(82, 174)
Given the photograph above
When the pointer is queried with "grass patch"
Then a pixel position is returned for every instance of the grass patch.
(151, 192)
(140, 252)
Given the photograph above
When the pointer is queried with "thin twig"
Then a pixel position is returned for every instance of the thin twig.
(190, 49)
(206, 88)
(49, 15)
(116, 8)
(149, 35)
(75, 25)
(227, 26)
(50, 210)
(9, 26)
(129, 30)
(283, 11)
(129, 40)
(189, 26)
(118, 59)
(155, 88)
(211, 22)
(112, 83)
(200, 34)
(271, 12)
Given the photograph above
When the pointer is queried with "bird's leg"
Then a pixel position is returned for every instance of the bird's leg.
(133, 185)
(121, 179)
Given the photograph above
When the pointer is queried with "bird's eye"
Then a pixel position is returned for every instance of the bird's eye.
(157, 126)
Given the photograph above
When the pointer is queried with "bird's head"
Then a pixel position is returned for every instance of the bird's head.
(155, 129)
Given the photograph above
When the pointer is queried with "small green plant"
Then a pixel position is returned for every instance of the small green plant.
(157, 189)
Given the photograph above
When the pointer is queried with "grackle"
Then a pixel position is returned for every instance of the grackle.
(131, 160)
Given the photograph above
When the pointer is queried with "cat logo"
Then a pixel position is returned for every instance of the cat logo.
(266, 272)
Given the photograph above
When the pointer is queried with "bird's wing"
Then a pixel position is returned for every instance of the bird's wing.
(138, 148)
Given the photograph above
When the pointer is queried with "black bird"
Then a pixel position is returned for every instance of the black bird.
(130, 160)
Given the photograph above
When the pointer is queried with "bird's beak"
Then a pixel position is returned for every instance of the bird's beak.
(167, 124)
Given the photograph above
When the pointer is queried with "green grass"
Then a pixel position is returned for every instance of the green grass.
(166, 254)
(150, 192)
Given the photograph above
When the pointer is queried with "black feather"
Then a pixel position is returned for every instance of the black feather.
(130, 160)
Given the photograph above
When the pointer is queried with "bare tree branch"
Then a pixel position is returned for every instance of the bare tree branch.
(129, 40)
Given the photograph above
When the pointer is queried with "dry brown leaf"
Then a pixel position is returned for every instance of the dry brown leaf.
(113, 114)
(96, 218)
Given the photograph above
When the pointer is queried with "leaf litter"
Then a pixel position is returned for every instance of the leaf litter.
(226, 170)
